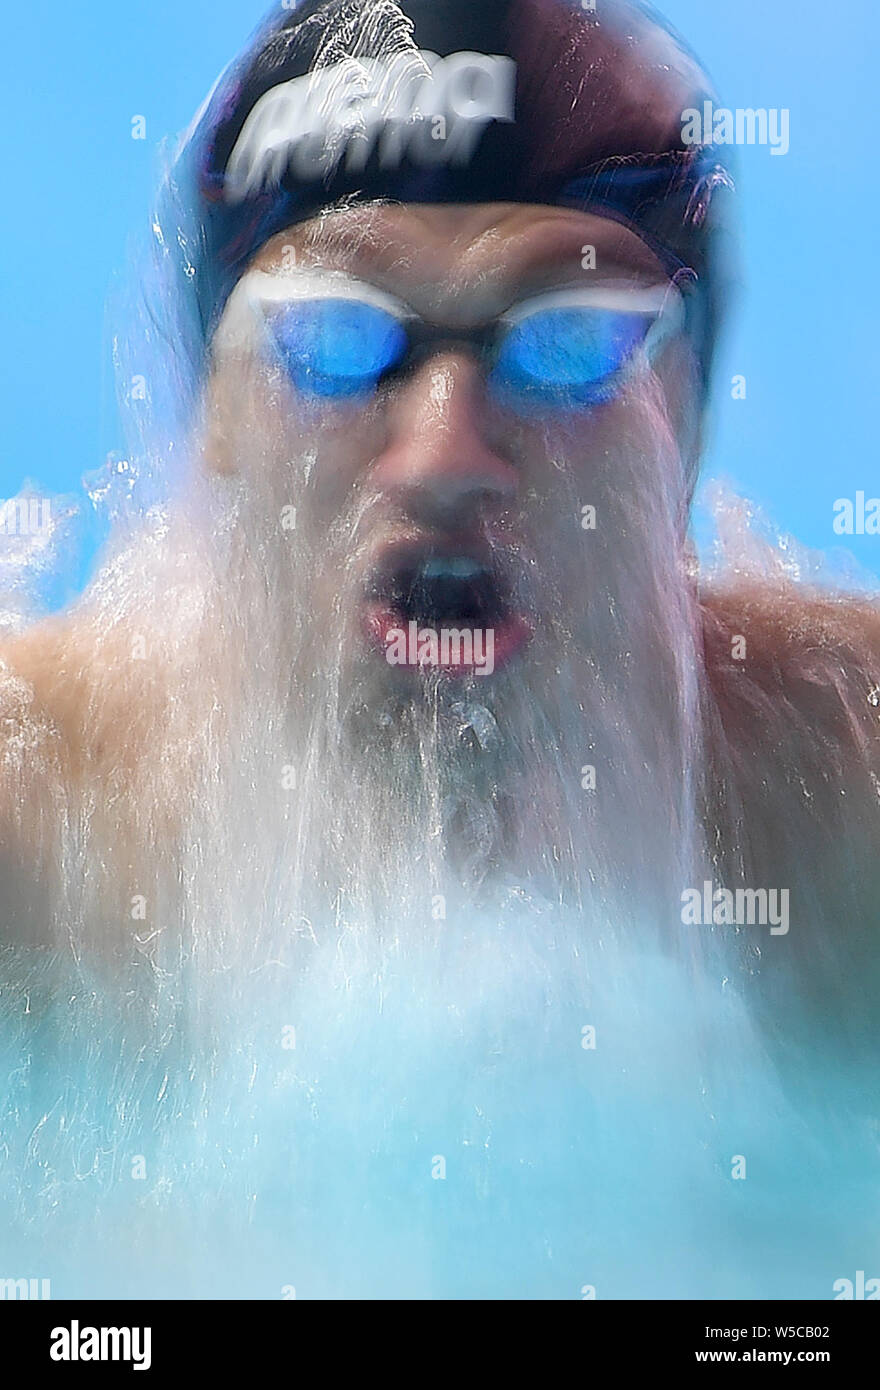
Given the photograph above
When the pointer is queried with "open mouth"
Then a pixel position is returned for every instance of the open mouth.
(448, 609)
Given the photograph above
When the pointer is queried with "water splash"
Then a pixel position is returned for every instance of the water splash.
(510, 1098)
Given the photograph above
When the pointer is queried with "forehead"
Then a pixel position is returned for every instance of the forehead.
(477, 252)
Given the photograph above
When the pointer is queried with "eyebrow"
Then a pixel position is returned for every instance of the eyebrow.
(363, 242)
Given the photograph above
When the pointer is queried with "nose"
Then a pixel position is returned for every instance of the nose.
(437, 463)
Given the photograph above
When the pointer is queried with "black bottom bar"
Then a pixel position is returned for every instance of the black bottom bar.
(68, 1336)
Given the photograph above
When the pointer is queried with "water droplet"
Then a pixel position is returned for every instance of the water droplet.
(480, 721)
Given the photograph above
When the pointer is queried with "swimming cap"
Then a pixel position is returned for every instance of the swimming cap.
(456, 101)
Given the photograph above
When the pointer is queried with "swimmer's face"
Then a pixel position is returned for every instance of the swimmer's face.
(475, 411)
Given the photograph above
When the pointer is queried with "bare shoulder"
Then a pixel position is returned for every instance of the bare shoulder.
(794, 764)
(73, 705)
(80, 715)
(45, 674)
(84, 692)
(779, 660)
(794, 784)
(39, 697)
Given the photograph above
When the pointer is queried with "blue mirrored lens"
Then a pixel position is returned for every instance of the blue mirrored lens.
(568, 356)
(336, 347)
